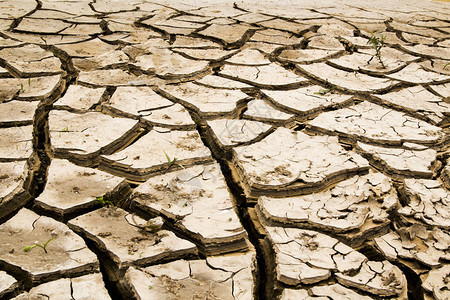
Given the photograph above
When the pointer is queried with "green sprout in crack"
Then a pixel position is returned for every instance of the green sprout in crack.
(377, 43)
(104, 201)
(29, 248)
(171, 162)
(445, 66)
(65, 129)
(323, 92)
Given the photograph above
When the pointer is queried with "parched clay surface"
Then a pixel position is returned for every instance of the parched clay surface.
(224, 149)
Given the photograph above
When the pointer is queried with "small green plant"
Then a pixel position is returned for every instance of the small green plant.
(323, 92)
(171, 162)
(377, 43)
(29, 248)
(65, 129)
(446, 65)
(104, 201)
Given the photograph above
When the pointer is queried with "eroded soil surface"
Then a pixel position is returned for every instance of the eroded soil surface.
(247, 150)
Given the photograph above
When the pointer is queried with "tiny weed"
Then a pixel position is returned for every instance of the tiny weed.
(29, 248)
(323, 92)
(65, 129)
(377, 43)
(446, 65)
(103, 200)
(171, 162)
(22, 90)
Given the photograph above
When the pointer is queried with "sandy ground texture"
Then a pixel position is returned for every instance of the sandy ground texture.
(224, 149)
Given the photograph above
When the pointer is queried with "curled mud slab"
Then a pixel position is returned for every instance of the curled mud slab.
(196, 150)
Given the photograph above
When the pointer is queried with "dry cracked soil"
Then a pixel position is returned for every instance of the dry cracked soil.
(224, 150)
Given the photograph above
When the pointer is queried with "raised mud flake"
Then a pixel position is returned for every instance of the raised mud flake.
(415, 242)
(31, 59)
(249, 57)
(116, 77)
(427, 51)
(230, 132)
(441, 89)
(16, 142)
(369, 122)
(173, 26)
(337, 291)
(428, 202)
(445, 176)
(67, 253)
(223, 277)
(288, 161)
(91, 48)
(146, 156)
(46, 26)
(209, 54)
(9, 10)
(145, 103)
(354, 209)
(276, 37)
(71, 189)
(85, 133)
(122, 237)
(104, 60)
(437, 283)
(306, 55)
(17, 112)
(289, 26)
(80, 97)
(259, 110)
(11, 176)
(204, 100)
(351, 81)
(416, 74)
(218, 82)
(169, 64)
(308, 100)
(268, 76)
(402, 162)
(82, 29)
(7, 283)
(192, 198)
(83, 287)
(228, 34)
(419, 101)
(39, 88)
(325, 42)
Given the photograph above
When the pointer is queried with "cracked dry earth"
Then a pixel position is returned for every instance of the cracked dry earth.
(221, 150)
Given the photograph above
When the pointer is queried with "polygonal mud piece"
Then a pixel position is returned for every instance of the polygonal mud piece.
(336, 291)
(31, 59)
(228, 34)
(148, 154)
(17, 112)
(325, 42)
(360, 204)
(7, 283)
(306, 257)
(145, 103)
(11, 176)
(290, 160)
(16, 142)
(116, 77)
(67, 253)
(252, 18)
(192, 198)
(206, 101)
(437, 283)
(210, 54)
(122, 237)
(445, 176)
(89, 48)
(306, 55)
(427, 51)
(291, 294)
(351, 81)
(259, 110)
(230, 132)
(267, 76)
(168, 64)
(83, 29)
(308, 100)
(249, 57)
(80, 97)
(277, 37)
(392, 59)
(83, 287)
(403, 162)
(419, 101)
(71, 189)
(369, 122)
(380, 278)
(427, 201)
(415, 73)
(85, 133)
(442, 89)
(45, 26)
(429, 247)
(38, 88)
(172, 26)
(227, 277)
(220, 82)
(9, 88)
(113, 57)
(284, 25)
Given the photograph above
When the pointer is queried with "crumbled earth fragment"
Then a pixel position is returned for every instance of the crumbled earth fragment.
(437, 283)
(7, 283)
(11, 176)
